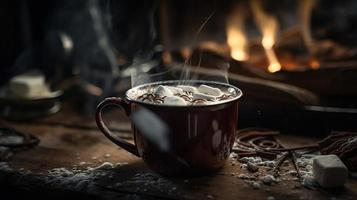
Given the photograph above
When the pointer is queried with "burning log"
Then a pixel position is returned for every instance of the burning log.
(328, 81)
(324, 50)
(260, 90)
(331, 79)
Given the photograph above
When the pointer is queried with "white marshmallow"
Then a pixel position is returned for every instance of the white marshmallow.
(187, 88)
(163, 91)
(203, 96)
(28, 85)
(175, 100)
(329, 171)
(210, 90)
(175, 90)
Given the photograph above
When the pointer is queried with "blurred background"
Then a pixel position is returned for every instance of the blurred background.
(296, 61)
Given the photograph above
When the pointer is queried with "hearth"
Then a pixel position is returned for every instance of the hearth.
(296, 61)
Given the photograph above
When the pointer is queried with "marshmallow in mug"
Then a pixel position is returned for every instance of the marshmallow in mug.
(210, 90)
(175, 90)
(187, 88)
(175, 100)
(198, 95)
(163, 91)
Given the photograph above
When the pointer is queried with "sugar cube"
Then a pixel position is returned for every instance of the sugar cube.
(329, 171)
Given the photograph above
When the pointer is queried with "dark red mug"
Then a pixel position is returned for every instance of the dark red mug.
(200, 137)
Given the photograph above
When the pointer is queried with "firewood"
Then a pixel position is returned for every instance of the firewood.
(330, 79)
(258, 89)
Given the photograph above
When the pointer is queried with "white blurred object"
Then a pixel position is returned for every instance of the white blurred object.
(29, 85)
(175, 100)
(210, 90)
(329, 171)
(163, 91)
(175, 90)
(187, 88)
(158, 130)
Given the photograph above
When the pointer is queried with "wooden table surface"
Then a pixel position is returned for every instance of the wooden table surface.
(70, 141)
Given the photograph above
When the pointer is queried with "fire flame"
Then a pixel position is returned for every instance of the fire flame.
(314, 63)
(268, 43)
(268, 26)
(236, 38)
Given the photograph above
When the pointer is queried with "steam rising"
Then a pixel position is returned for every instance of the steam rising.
(190, 72)
(185, 71)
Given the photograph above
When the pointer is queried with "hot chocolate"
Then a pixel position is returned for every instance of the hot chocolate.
(173, 94)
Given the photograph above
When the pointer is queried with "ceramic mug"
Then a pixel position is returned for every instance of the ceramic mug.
(200, 137)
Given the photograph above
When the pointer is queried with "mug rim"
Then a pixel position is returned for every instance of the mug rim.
(238, 96)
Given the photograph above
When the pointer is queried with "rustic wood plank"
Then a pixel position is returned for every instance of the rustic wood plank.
(66, 147)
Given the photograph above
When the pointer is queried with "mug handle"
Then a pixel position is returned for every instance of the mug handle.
(100, 123)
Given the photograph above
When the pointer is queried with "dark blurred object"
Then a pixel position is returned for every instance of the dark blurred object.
(21, 28)
(91, 40)
(14, 108)
(14, 139)
(11, 140)
(132, 26)
(5, 153)
(336, 20)
(91, 32)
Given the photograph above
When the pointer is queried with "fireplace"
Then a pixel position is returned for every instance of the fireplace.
(296, 60)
